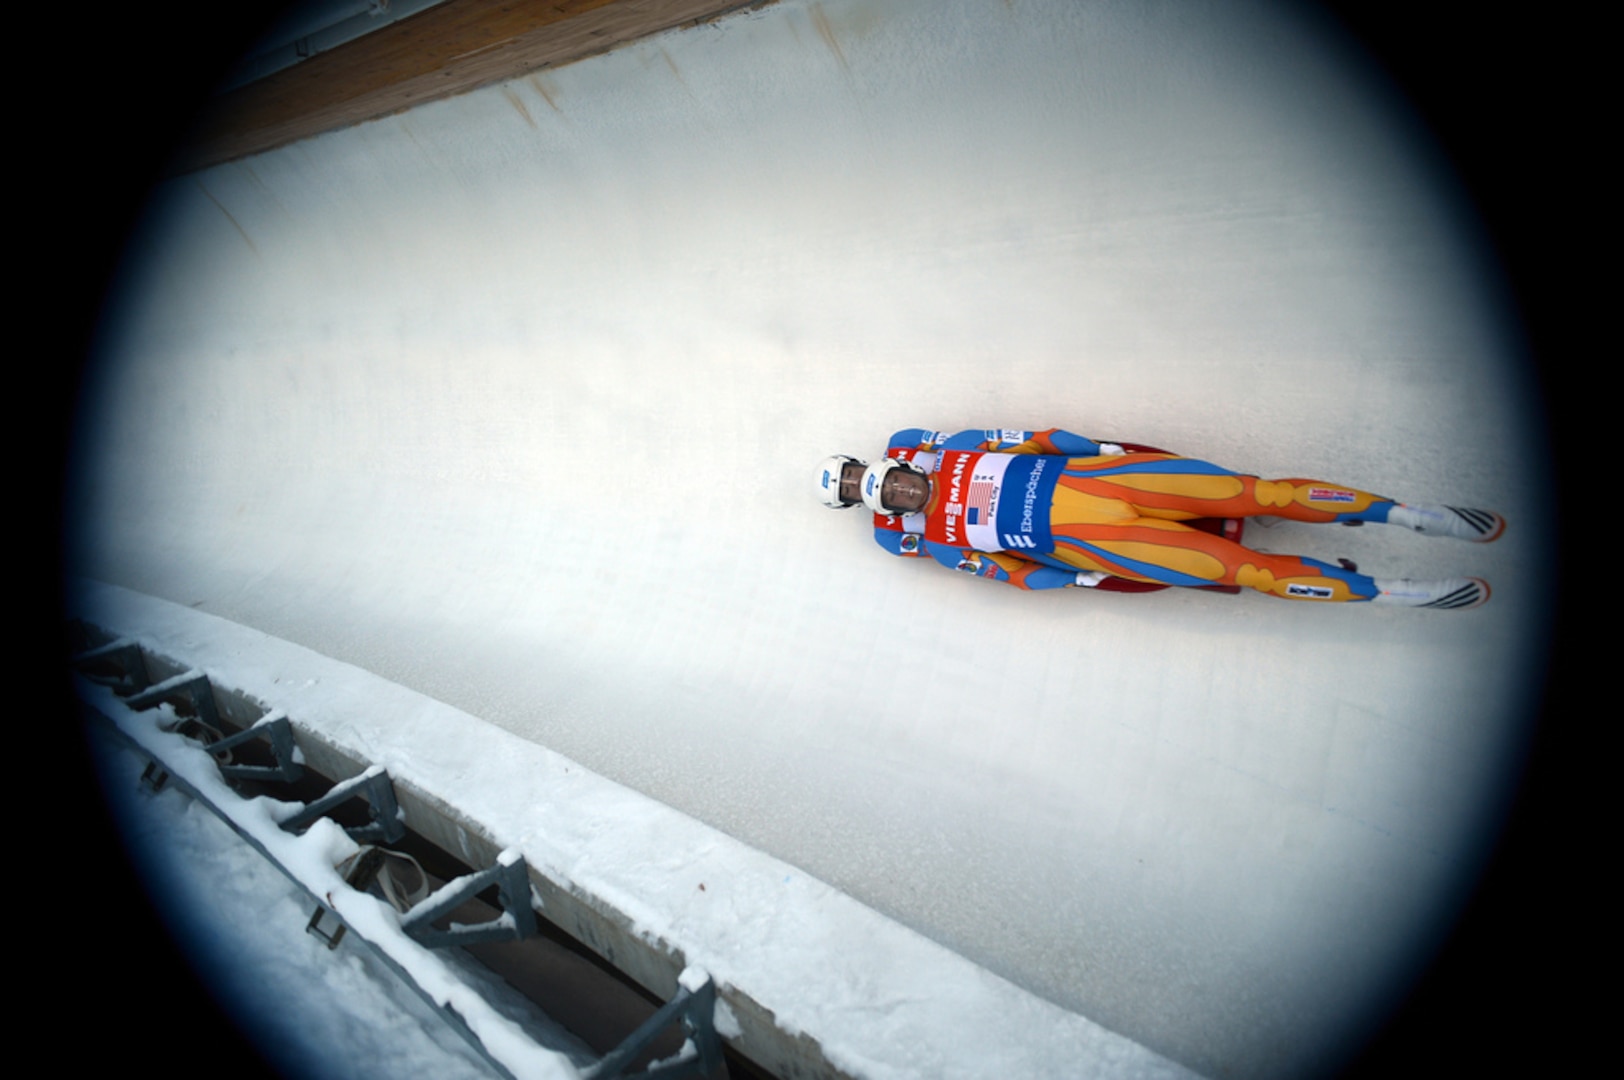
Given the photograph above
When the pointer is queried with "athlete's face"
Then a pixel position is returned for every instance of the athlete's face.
(904, 491)
(851, 482)
(901, 490)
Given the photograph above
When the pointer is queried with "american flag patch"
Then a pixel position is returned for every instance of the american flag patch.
(980, 500)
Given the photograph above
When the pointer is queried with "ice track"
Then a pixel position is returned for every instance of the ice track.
(513, 399)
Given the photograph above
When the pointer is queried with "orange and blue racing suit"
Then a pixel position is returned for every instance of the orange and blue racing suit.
(1050, 509)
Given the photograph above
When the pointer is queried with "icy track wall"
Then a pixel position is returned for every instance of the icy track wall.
(513, 399)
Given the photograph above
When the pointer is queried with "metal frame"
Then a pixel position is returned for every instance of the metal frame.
(517, 921)
(377, 789)
(274, 729)
(693, 1006)
(193, 684)
(695, 1010)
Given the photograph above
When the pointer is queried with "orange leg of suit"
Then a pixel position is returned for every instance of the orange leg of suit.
(1121, 516)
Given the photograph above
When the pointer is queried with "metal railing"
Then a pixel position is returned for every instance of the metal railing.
(195, 720)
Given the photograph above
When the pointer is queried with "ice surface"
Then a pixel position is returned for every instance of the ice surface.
(517, 408)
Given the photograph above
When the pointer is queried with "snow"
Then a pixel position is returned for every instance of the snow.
(519, 415)
(315, 1013)
(311, 859)
(874, 993)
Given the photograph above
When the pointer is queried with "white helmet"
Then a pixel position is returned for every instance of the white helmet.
(874, 476)
(828, 480)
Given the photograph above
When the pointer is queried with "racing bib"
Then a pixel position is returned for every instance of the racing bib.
(993, 502)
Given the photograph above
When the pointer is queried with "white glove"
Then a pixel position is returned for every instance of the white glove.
(1111, 449)
(1089, 578)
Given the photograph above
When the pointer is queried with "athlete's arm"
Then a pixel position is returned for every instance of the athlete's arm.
(916, 439)
(1011, 441)
(1011, 569)
(897, 542)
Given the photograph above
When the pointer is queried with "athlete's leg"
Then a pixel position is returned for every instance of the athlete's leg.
(1153, 549)
(1176, 489)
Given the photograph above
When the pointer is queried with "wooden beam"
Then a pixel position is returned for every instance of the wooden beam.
(448, 49)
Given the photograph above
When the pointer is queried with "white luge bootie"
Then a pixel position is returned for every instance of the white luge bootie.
(1479, 526)
(1449, 594)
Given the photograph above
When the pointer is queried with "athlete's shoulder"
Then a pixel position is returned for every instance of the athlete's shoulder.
(1047, 441)
(986, 439)
(1004, 440)
(917, 438)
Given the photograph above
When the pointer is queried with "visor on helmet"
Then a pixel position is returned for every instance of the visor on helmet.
(828, 480)
(874, 483)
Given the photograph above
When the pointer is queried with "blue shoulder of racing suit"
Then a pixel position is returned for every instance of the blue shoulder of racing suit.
(1003, 440)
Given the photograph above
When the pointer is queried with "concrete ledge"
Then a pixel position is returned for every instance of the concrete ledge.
(811, 984)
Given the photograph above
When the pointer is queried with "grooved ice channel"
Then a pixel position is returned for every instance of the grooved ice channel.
(517, 408)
